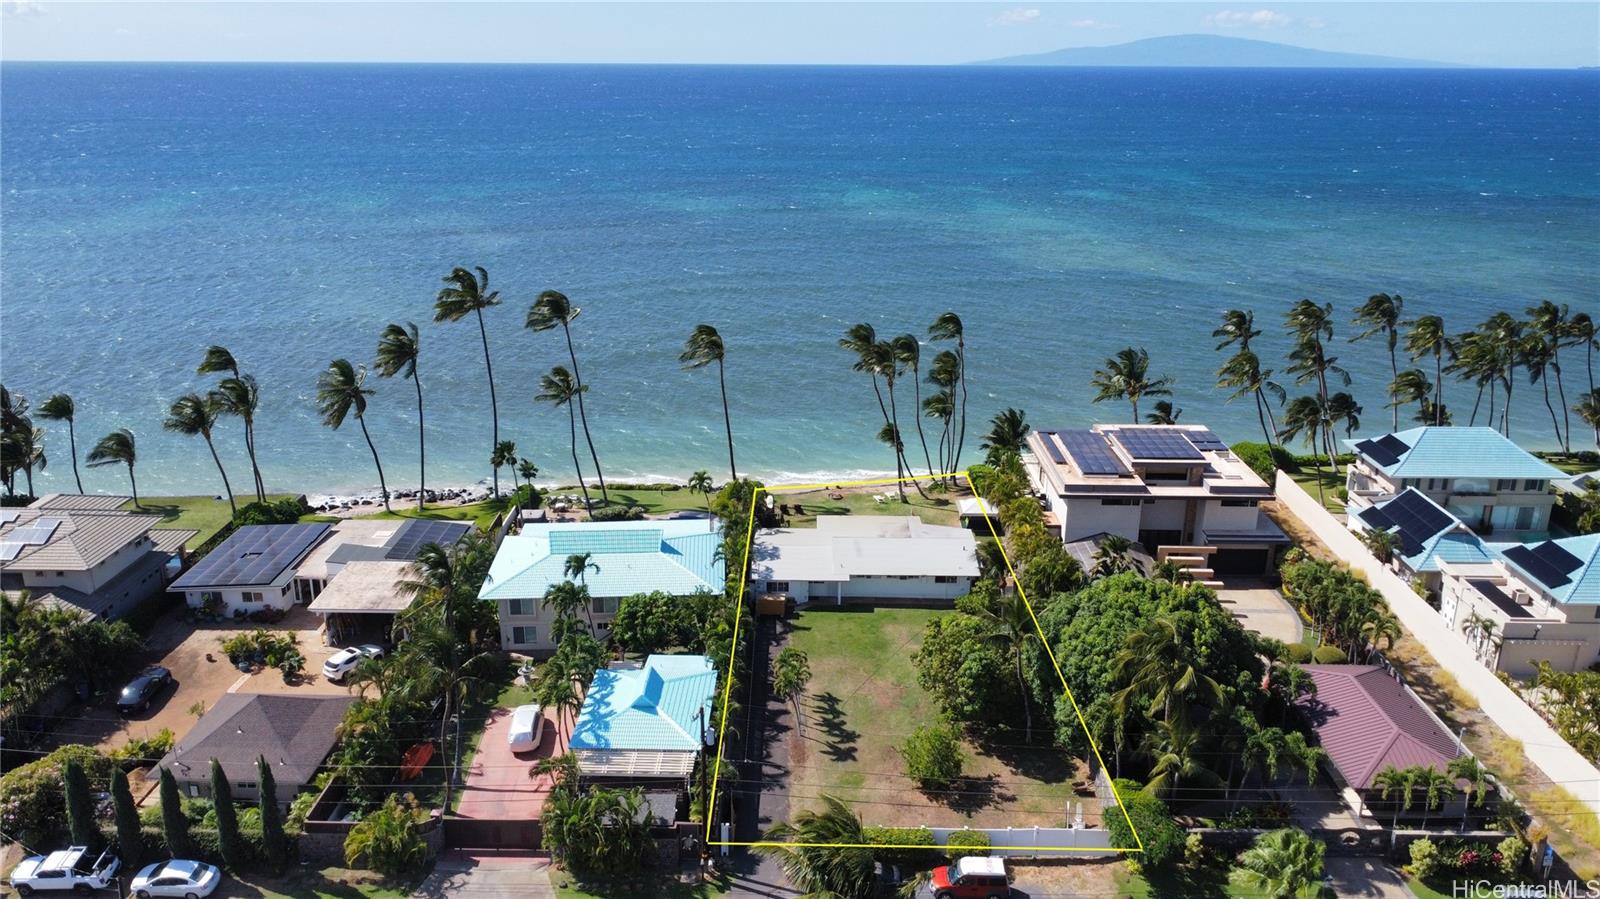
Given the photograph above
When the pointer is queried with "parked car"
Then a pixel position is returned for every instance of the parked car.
(972, 878)
(67, 869)
(138, 694)
(345, 660)
(527, 728)
(179, 878)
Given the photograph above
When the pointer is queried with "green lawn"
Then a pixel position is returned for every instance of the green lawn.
(480, 514)
(206, 514)
(311, 883)
(1308, 477)
(657, 886)
(862, 702)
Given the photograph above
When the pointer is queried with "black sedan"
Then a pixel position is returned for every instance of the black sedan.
(139, 692)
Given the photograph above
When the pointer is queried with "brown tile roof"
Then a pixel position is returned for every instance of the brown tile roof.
(294, 733)
(1367, 721)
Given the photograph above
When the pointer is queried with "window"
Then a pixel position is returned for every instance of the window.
(285, 590)
(246, 786)
(1524, 518)
(603, 605)
(944, 579)
(777, 586)
(1119, 501)
(524, 636)
(194, 791)
(1504, 484)
(1241, 503)
(521, 607)
(249, 596)
(1533, 486)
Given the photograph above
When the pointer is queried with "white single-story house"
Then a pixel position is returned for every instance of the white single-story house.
(865, 558)
(252, 570)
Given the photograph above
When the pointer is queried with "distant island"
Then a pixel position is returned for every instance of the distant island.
(1211, 50)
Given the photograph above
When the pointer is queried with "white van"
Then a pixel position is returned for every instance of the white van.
(527, 728)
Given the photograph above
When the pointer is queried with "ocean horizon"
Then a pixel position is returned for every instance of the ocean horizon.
(289, 212)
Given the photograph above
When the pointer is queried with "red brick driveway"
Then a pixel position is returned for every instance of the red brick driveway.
(497, 784)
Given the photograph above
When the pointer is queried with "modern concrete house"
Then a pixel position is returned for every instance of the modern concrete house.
(251, 570)
(865, 559)
(355, 577)
(679, 558)
(1483, 479)
(294, 733)
(1175, 489)
(1531, 603)
(84, 552)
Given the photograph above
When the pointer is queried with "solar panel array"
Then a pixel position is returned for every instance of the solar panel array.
(1157, 443)
(9, 515)
(255, 554)
(1048, 438)
(1206, 441)
(9, 550)
(1385, 451)
(1547, 562)
(35, 533)
(417, 533)
(1090, 453)
(1413, 515)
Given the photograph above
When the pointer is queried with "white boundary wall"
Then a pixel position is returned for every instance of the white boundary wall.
(1544, 747)
(1084, 839)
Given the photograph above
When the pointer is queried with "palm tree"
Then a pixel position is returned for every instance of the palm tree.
(1395, 780)
(559, 388)
(577, 567)
(1581, 331)
(1535, 354)
(195, 416)
(1343, 410)
(555, 690)
(1010, 626)
(1307, 415)
(1114, 555)
(397, 355)
(1381, 315)
(1244, 374)
(59, 407)
(877, 358)
(1165, 414)
(1480, 632)
(25, 447)
(1381, 544)
(945, 374)
(528, 470)
(700, 482)
(1177, 760)
(1284, 864)
(791, 672)
(466, 294)
(1426, 336)
(1588, 409)
(116, 448)
(550, 309)
(1238, 326)
(1467, 768)
(908, 353)
(1410, 386)
(1436, 787)
(505, 456)
(1477, 359)
(1311, 325)
(948, 327)
(1008, 430)
(824, 853)
(1126, 376)
(704, 347)
(240, 397)
(1159, 663)
(341, 390)
(1553, 324)
(1505, 339)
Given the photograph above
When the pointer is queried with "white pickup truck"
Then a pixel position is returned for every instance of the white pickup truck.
(67, 869)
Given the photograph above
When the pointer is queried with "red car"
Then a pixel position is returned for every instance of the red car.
(972, 878)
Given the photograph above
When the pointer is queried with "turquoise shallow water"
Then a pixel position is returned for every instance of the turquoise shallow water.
(290, 211)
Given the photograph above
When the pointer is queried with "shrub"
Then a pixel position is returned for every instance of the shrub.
(1328, 655)
(144, 751)
(33, 807)
(1162, 838)
(263, 647)
(933, 755)
(902, 837)
(1194, 850)
(283, 511)
(1299, 653)
(967, 842)
(1510, 855)
(618, 513)
(1264, 461)
(1426, 860)
(389, 838)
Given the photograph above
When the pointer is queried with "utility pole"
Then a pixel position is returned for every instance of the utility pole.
(705, 792)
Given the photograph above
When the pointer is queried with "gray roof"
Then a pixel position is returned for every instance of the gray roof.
(294, 733)
(76, 540)
(844, 546)
(81, 502)
(365, 586)
(254, 554)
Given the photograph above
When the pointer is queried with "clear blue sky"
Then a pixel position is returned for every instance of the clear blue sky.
(1500, 34)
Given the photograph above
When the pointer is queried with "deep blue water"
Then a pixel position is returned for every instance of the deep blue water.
(290, 211)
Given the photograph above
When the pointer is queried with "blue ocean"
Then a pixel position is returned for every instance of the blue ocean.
(290, 212)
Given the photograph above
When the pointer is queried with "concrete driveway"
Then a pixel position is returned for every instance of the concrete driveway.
(1368, 877)
(1262, 609)
(497, 784)
(465, 874)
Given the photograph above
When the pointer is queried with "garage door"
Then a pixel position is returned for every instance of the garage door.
(1239, 561)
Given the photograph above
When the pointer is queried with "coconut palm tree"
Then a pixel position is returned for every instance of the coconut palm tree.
(24, 449)
(467, 294)
(1344, 410)
(559, 389)
(528, 470)
(1400, 781)
(397, 355)
(1165, 413)
(824, 853)
(791, 672)
(700, 482)
(1126, 376)
(1537, 357)
(1008, 431)
(1311, 326)
(1436, 788)
(704, 347)
(1114, 555)
(1426, 336)
(1010, 627)
(1158, 664)
(240, 397)
(1588, 409)
(1244, 375)
(1410, 386)
(1238, 327)
(1381, 314)
(877, 359)
(59, 407)
(1469, 769)
(117, 448)
(1284, 864)
(948, 327)
(1175, 751)
(1504, 338)
(341, 390)
(945, 374)
(505, 456)
(1307, 415)
(195, 416)
(1553, 325)
(1581, 332)
(549, 309)
(908, 353)
(1381, 544)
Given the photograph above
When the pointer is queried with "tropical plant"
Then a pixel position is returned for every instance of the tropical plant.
(700, 482)
(1165, 413)
(791, 673)
(1552, 326)
(1426, 336)
(59, 407)
(1381, 314)
(341, 390)
(1307, 415)
(23, 447)
(1588, 409)
(1177, 761)
(1469, 769)
(1126, 376)
(549, 310)
(1238, 327)
(1011, 628)
(389, 838)
(237, 395)
(1158, 665)
(877, 359)
(1008, 431)
(398, 348)
(1311, 325)
(1411, 386)
(505, 456)
(908, 353)
(948, 327)
(1243, 374)
(195, 416)
(1113, 555)
(704, 347)
(598, 830)
(1284, 864)
(560, 388)
(824, 853)
(933, 755)
(116, 448)
(468, 294)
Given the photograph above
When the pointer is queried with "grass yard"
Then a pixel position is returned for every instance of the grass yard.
(938, 508)
(206, 514)
(311, 883)
(1308, 477)
(864, 700)
(656, 885)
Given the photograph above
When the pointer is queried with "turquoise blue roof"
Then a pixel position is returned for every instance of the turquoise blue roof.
(676, 557)
(664, 706)
(1583, 585)
(1449, 452)
(1450, 546)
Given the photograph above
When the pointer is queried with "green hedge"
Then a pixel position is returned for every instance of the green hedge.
(1328, 655)
(1264, 460)
(904, 836)
(967, 842)
(32, 805)
(1299, 653)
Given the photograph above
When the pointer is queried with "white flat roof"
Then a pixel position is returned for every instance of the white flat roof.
(844, 546)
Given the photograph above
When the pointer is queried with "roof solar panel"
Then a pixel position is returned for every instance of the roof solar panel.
(1206, 440)
(1091, 454)
(1153, 443)
(9, 515)
(417, 533)
(1048, 438)
(1540, 569)
(1394, 445)
(9, 550)
(1375, 451)
(1417, 519)
(1553, 555)
(255, 554)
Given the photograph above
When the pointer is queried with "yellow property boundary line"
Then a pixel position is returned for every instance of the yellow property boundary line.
(727, 687)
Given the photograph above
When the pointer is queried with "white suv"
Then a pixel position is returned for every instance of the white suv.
(345, 660)
(67, 869)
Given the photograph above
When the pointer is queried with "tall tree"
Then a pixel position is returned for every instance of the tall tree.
(228, 838)
(25, 448)
(274, 842)
(59, 407)
(195, 416)
(704, 347)
(1008, 430)
(1581, 332)
(1381, 314)
(1311, 326)
(1426, 336)
(1165, 413)
(117, 448)
(791, 672)
(1243, 374)
(700, 482)
(80, 805)
(1011, 627)
(398, 347)
(1553, 325)
(876, 358)
(1238, 327)
(577, 568)
(908, 352)
(550, 309)
(468, 294)
(1159, 663)
(1536, 356)
(1126, 376)
(130, 833)
(945, 374)
(948, 327)
(505, 456)
(174, 823)
(1504, 336)
(1307, 415)
(240, 397)
(1477, 360)
(559, 388)
(341, 390)
(1588, 409)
